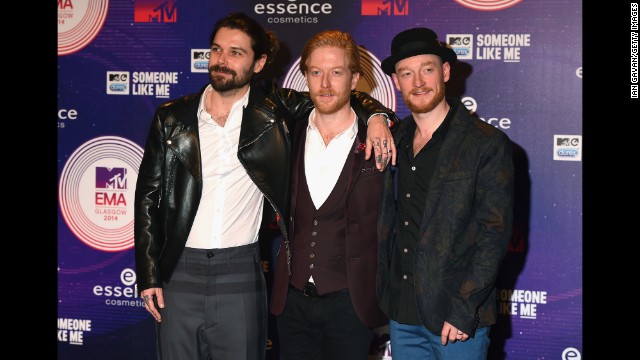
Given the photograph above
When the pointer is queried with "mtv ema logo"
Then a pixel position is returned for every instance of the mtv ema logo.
(385, 7)
(156, 11)
(96, 193)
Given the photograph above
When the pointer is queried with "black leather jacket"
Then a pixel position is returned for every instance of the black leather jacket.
(169, 184)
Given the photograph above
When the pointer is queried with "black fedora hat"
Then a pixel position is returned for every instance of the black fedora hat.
(416, 41)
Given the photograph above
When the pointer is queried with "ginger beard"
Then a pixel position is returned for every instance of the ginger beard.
(222, 84)
(420, 107)
(340, 99)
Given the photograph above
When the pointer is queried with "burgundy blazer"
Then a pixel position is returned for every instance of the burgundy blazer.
(364, 231)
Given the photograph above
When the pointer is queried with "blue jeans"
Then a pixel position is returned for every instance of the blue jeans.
(416, 342)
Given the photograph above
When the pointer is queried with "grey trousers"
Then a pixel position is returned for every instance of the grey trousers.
(215, 306)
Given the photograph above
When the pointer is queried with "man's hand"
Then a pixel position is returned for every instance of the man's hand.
(150, 303)
(380, 139)
(452, 334)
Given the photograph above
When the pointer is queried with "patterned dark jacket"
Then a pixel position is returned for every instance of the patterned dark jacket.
(465, 227)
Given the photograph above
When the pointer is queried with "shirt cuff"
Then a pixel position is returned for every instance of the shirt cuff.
(383, 114)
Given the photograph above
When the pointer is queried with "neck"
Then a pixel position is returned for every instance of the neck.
(218, 104)
(427, 123)
(330, 125)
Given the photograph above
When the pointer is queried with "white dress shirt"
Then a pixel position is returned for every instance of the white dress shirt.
(323, 164)
(230, 209)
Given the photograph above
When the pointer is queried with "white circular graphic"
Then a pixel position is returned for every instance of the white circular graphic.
(378, 84)
(96, 192)
(487, 5)
(571, 353)
(79, 22)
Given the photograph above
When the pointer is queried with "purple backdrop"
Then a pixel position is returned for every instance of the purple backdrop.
(520, 70)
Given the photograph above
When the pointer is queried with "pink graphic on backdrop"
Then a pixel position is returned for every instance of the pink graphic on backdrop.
(156, 11)
(385, 7)
(79, 22)
(487, 5)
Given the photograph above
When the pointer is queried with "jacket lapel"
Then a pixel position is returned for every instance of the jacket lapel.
(446, 157)
(358, 150)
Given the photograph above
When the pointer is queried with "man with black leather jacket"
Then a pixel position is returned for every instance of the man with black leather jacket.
(211, 159)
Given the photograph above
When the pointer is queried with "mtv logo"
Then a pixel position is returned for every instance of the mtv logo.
(385, 7)
(455, 40)
(111, 178)
(156, 11)
(200, 55)
(561, 141)
(118, 77)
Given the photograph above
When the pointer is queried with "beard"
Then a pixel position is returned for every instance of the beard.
(420, 108)
(220, 84)
(341, 99)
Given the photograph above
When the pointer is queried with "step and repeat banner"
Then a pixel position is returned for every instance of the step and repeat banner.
(520, 70)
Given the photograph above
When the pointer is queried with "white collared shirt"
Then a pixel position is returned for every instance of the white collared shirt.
(230, 209)
(323, 164)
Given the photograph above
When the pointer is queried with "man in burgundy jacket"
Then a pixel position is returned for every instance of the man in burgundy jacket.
(326, 306)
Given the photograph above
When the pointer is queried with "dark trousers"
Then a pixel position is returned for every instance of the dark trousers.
(215, 306)
(322, 328)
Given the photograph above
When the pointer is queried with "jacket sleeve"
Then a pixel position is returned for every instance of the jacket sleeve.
(365, 105)
(493, 220)
(148, 194)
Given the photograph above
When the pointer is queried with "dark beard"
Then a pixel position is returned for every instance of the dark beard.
(234, 83)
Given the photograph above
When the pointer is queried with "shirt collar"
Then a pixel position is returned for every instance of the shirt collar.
(205, 116)
(350, 132)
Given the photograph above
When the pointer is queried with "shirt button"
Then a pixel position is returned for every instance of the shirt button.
(408, 195)
(314, 233)
(210, 254)
(406, 223)
(312, 256)
(313, 243)
(413, 168)
(315, 222)
(169, 142)
(405, 250)
(311, 266)
(404, 277)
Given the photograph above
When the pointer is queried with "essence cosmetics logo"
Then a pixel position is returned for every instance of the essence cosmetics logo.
(567, 147)
(155, 11)
(385, 7)
(373, 80)
(79, 22)
(96, 192)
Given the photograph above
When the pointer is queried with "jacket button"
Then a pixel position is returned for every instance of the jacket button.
(168, 141)
(210, 254)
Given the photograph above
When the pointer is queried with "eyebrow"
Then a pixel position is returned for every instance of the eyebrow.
(237, 48)
(422, 64)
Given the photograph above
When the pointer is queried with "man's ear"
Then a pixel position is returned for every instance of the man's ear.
(259, 64)
(354, 80)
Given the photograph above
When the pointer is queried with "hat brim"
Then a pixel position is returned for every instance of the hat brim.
(388, 65)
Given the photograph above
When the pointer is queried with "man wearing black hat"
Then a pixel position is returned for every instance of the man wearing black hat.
(454, 212)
